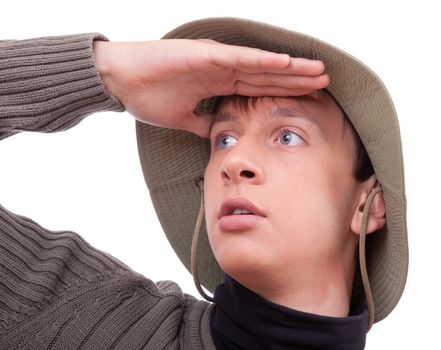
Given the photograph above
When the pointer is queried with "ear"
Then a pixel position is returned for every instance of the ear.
(377, 210)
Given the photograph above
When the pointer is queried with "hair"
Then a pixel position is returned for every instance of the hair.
(363, 168)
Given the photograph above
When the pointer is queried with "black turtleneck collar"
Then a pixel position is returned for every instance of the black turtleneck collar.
(244, 320)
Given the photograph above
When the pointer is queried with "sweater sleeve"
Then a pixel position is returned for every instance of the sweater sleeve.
(57, 291)
(50, 84)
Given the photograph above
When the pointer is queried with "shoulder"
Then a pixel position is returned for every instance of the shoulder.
(59, 291)
(196, 329)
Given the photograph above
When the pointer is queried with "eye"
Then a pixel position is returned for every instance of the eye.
(290, 138)
(224, 141)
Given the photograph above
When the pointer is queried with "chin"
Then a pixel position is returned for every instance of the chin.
(244, 265)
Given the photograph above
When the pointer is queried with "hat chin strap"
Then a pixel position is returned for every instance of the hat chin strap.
(194, 244)
(362, 256)
(361, 251)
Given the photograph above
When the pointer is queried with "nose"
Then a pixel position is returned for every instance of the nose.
(242, 165)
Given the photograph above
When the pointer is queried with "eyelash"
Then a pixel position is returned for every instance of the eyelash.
(292, 132)
(219, 137)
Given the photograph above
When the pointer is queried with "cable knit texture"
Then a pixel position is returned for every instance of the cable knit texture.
(56, 291)
(50, 84)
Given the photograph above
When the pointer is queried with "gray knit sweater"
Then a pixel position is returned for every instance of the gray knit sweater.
(56, 291)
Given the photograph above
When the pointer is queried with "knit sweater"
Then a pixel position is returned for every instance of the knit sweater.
(56, 291)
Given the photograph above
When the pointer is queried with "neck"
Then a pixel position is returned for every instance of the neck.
(323, 290)
(326, 294)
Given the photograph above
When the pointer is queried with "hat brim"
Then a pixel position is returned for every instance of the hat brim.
(173, 160)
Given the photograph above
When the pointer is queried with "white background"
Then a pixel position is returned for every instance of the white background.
(88, 179)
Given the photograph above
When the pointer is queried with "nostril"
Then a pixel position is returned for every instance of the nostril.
(225, 175)
(246, 173)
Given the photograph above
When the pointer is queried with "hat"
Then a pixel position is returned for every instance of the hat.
(173, 160)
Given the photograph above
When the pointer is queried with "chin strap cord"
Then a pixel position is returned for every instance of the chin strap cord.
(362, 257)
(194, 244)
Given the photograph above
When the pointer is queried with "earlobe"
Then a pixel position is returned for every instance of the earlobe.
(377, 213)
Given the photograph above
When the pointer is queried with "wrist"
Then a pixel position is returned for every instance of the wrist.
(101, 55)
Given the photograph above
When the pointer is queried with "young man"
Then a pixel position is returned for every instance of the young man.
(58, 292)
(287, 209)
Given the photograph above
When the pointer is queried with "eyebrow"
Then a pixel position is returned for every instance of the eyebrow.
(281, 112)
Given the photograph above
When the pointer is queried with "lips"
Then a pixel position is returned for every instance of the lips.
(235, 205)
(239, 214)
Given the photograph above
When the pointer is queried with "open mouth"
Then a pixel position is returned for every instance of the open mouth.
(239, 214)
(240, 211)
(239, 206)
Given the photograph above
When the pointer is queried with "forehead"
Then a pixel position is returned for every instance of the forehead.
(318, 109)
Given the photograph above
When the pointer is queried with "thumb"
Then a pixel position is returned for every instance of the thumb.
(198, 124)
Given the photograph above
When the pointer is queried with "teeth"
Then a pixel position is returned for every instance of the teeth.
(239, 211)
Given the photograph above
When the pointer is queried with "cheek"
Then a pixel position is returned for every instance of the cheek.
(211, 197)
(311, 210)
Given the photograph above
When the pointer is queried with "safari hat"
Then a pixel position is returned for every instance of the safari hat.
(174, 161)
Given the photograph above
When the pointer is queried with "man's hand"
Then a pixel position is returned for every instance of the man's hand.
(161, 82)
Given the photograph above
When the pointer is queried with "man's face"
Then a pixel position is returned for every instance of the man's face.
(279, 188)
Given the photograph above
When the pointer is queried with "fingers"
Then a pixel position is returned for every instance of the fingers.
(245, 58)
(251, 60)
(257, 72)
(245, 89)
(306, 66)
(284, 81)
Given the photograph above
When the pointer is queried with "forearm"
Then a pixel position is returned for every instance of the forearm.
(50, 84)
